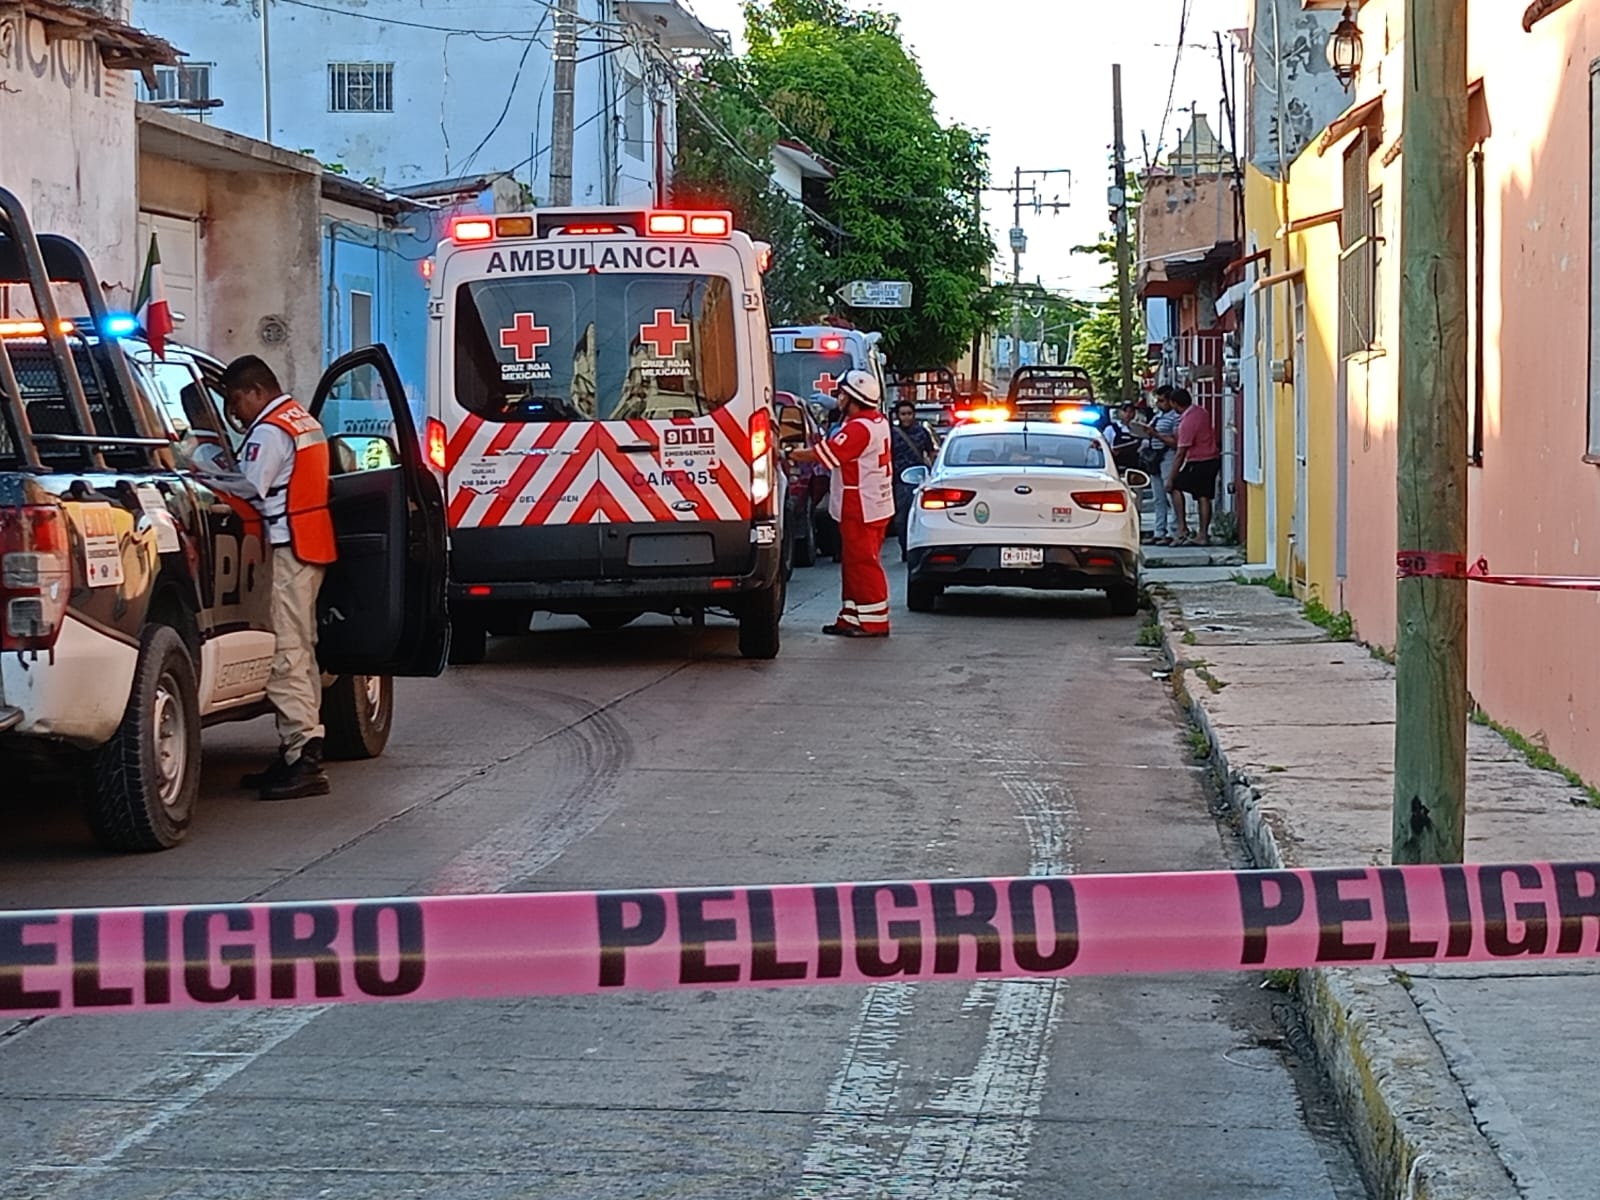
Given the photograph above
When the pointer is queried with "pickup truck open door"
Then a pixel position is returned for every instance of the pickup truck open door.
(382, 607)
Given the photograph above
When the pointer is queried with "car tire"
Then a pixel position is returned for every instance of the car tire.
(357, 714)
(609, 620)
(1124, 598)
(469, 642)
(922, 596)
(760, 621)
(147, 777)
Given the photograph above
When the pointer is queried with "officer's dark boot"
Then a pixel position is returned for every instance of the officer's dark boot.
(303, 777)
(276, 770)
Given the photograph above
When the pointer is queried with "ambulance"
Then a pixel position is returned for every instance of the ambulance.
(810, 359)
(600, 415)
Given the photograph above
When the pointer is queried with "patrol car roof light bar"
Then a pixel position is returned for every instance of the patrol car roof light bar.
(23, 262)
(67, 262)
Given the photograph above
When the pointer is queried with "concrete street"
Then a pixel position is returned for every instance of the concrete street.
(1005, 734)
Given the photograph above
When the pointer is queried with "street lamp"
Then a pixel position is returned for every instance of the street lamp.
(1344, 49)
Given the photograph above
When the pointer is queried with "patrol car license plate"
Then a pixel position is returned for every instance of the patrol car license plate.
(1021, 556)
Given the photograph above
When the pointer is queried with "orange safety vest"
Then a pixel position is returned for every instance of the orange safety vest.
(311, 534)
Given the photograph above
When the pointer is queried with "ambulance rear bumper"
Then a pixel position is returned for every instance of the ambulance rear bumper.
(643, 565)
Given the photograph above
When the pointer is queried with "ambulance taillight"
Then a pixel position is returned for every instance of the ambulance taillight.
(761, 468)
(438, 450)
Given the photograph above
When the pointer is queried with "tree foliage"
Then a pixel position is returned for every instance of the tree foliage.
(901, 204)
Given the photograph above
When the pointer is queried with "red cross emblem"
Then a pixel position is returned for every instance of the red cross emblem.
(824, 383)
(525, 337)
(665, 334)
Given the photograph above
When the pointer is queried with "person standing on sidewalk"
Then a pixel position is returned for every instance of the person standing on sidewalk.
(861, 500)
(1198, 462)
(1157, 458)
(285, 460)
(913, 447)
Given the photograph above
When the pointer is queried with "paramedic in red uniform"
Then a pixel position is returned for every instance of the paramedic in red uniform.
(285, 459)
(861, 500)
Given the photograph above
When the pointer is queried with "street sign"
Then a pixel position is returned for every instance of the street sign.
(876, 293)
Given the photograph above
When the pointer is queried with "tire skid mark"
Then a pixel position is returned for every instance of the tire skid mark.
(972, 1141)
(232, 1043)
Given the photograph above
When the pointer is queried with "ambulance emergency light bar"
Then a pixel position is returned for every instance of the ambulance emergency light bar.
(654, 223)
(828, 345)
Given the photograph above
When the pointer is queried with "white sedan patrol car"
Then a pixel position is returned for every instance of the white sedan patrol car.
(1026, 504)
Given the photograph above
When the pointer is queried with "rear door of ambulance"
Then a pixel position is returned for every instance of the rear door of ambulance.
(598, 390)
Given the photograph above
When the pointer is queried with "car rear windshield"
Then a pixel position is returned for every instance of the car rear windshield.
(807, 372)
(595, 347)
(1025, 450)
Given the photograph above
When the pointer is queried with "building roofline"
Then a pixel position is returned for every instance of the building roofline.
(182, 139)
(122, 47)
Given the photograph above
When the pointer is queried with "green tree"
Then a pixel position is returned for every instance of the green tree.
(725, 141)
(1096, 349)
(901, 205)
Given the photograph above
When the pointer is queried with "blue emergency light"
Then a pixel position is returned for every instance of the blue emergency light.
(1080, 414)
(119, 325)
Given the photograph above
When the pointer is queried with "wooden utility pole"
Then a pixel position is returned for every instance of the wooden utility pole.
(1119, 200)
(564, 46)
(1430, 752)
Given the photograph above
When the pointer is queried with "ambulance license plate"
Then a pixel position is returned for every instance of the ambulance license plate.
(1021, 556)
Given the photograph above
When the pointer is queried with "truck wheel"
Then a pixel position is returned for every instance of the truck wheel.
(609, 620)
(147, 777)
(759, 622)
(357, 714)
(921, 596)
(469, 641)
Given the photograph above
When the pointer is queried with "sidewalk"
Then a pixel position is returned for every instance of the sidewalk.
(1461, 1082)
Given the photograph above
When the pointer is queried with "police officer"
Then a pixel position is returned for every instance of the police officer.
(285, 460)
(861, 500)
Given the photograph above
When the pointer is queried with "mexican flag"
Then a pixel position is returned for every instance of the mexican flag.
(155, 316)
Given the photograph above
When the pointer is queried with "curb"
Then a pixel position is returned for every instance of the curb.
(1413, 1132)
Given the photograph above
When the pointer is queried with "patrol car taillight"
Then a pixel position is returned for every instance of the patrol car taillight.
(35, 576)
(473, 230)
(946, 497)
(1102, 501)
(437, 444)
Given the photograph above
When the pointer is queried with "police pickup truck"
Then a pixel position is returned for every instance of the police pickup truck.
(134, 574)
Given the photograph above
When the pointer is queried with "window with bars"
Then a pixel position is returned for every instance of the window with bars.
(1360, 237)
(361, 87)
(189, 81)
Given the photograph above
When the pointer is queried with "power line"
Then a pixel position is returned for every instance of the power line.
(1172, 86)
(483, 35)
(511, 93)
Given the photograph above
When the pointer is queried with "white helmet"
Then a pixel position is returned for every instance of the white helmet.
(860, 386)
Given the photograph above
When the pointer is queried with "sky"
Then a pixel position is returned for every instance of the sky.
(1036, 76)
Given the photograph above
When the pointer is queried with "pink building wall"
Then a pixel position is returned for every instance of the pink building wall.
(1534, 504)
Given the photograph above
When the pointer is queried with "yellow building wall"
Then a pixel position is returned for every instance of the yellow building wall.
(1261, 217)
(1315, 186)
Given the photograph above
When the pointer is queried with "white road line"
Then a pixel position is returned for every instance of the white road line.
(955, 1149)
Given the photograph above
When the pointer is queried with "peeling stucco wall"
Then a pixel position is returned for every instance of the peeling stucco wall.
(1291, 82)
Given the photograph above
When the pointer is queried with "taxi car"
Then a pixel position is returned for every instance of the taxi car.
(1026, 504)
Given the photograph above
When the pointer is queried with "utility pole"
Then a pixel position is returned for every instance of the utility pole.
(1119, 204)
(1019, 242)
(565, 50)
(266, 73)
(977, 337)
(1430, 729)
